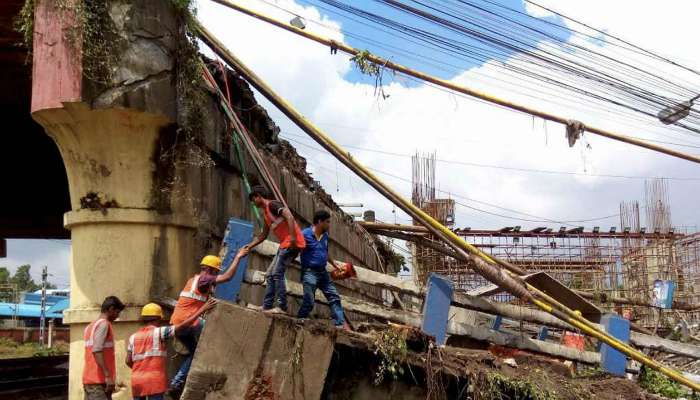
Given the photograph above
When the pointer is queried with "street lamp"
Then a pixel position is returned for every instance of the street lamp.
(676, 112)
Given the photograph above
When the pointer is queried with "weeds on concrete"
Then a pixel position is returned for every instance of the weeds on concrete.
(657, 383)
(433, 376)
(390, 345)
(495, 386)
(187, 150)
(24, 24)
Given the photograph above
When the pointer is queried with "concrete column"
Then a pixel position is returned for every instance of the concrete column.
(129, 239)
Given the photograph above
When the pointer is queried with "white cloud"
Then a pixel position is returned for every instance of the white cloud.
(55, 254)
(461, 129)
(458, 129)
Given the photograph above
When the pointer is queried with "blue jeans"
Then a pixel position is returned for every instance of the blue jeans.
(151, 397)
(189, 336)
(313, 280)
(276, 288)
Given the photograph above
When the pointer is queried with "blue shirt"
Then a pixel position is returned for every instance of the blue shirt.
(315, 254)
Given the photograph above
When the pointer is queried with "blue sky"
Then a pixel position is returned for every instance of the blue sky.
(401, 47)
(338, 99)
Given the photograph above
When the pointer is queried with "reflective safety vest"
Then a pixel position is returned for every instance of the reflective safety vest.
(92, 373)
(149, 356)
(189, 302)
(278, 225)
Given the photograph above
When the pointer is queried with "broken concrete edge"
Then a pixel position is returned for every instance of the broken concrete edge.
(278, 357)
(454, 328)
(284, 156)
(466, 301)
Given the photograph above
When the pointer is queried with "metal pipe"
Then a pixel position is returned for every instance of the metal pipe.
(453, 86)
(482, 263)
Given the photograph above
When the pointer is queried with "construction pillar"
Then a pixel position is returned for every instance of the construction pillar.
(131, 236)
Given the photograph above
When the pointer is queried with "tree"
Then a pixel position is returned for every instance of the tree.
(23, 279)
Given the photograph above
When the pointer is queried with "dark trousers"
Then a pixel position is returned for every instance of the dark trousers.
(276, 290)
(312, 280)
(189, 336)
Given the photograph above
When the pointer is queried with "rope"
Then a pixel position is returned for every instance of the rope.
(244, 135)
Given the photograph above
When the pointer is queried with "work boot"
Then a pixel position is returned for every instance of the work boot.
(275, 310)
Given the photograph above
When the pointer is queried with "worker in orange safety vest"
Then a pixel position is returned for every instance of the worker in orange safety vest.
(99, 370)
(280, 221)
(147, 353)
(192, 297)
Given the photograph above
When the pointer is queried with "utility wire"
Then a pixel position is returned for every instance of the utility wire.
(560, 68)
(500, 167)
(489, 204)
(546, 95)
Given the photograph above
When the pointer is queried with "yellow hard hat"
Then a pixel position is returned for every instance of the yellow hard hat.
(212, 262)
(152, 310)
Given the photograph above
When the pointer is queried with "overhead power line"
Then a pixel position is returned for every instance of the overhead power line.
(505, 168)
(521, 86)
(458, 88)
(535, 218)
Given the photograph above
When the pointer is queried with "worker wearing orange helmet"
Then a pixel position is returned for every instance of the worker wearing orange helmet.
(192, 297)
(147, 353)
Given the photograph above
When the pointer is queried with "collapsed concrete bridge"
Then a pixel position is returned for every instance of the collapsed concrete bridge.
(151, 176)
(144, 168)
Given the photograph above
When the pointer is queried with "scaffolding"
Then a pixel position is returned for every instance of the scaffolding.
(427, 260)
(611, 264)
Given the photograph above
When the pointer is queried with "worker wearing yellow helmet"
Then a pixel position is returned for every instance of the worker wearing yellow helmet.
(147, 354)
(193, 296)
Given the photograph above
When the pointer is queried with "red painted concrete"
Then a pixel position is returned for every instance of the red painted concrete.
(57, 69)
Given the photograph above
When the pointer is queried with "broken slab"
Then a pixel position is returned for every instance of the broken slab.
(245, 354)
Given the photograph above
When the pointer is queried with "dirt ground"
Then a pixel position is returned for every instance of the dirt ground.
(540, 377)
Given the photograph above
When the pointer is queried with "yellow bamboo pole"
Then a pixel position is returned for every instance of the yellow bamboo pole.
(486, 265)
(453, 86)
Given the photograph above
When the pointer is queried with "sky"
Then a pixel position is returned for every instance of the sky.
(485, 148)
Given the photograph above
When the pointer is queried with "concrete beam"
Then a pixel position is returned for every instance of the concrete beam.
(454, 328)
(463, 300)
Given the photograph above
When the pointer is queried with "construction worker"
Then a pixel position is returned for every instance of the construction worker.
(313, 270)
(99, 371)
(279, 220)
(147, 353)
(194, 295)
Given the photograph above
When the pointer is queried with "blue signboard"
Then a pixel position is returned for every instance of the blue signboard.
(436, 308)
(613, 361)
(238, 234)
(663, 293)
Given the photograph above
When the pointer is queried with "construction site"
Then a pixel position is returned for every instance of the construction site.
(149, 137)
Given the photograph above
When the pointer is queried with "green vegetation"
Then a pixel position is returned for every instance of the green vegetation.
(24, 24)
(21, 280)
(390, 345)
(366, 66)
(11, 349)
(496, 387)
(657, 383)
